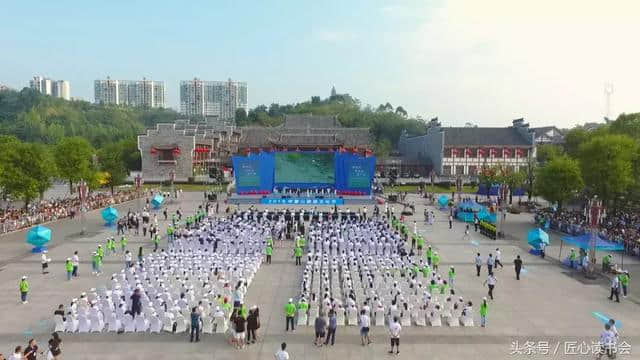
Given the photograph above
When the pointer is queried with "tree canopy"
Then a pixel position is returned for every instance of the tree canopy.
(559, 179)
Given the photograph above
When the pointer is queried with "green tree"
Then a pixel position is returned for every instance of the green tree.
(26, 172)
(607, 165)
(73, 157)
(515, 180)
(241, 117)
(401, 111)
(573, 139)
(627, 124)
(111, 158)
(547, 151)
(530, 171)
(559, 180)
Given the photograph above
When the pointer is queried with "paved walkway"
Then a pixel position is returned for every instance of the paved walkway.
(549, 304)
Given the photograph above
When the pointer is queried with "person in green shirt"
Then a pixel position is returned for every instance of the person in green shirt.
(432, 287)
(269, 251)
(290, 313)
(303, 241)
(298, 254)
(624, 281)
(24, 289)
(429, 255)
(100, 252)
(123, 243)
(68, 265)
(170, 234)
(425, 270)
(415, 269)
(444, 287)
(483, 312)
(452, 275)
(111, 245)
(269, 241)
(156, 242)
(606, 263)
(303, 306)
(420, 241)
(173, 219)
(572, 258)
(436, 260)
(97, 261)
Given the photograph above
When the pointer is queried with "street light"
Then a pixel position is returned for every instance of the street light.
(82, 193)
(594, 214)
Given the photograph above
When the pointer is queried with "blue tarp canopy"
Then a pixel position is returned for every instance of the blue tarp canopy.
(38, 236)
(537, 236)
(583, 242)
(495, 188)
(157, 201)
(443, 200)
(468, 206)
(109, 215)
(485, 215)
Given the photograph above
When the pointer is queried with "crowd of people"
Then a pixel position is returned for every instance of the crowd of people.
(15, 218)
(622, 227)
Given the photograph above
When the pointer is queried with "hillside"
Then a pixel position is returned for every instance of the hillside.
(33, 117)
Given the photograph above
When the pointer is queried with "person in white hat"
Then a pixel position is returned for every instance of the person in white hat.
(24, 289)
(45, 262)
(290, 313)
(483, 312)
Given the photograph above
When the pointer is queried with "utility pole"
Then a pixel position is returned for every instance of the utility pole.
(82, 193)
(594, 214)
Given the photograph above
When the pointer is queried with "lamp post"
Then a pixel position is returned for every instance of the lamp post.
(594, 214)
(82, 194)
(503, 193)
(138, 182)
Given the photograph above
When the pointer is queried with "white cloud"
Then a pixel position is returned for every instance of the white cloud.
(494, 60)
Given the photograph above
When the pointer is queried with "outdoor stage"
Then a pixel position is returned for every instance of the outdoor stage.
(278, 199)
(311, 178)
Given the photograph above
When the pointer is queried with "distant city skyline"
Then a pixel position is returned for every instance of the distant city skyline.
(484, 63)
(142, 93)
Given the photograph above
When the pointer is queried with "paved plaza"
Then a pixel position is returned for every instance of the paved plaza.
(550, 308)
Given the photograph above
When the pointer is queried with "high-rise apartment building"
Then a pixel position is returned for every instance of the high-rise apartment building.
(61, 89)
(143, 93)
(46, 86)
(212, 98)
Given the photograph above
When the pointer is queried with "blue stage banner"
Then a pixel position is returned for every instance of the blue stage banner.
(355, 173)
(253, 172)
(301, 201)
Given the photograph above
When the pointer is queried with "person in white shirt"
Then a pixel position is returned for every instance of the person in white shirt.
(76, 263)
(17, 354)
(491, 283)
(45, 262)
(498, 257)
(615, 289)
(394, 331)
(365, 323)
(282, 354)
(607, 342)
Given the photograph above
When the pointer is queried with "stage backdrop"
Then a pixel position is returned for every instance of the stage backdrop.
(304, 170)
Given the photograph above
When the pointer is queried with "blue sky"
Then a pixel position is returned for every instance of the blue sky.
(463, 61)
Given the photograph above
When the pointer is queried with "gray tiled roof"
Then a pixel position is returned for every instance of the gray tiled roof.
(483, 136)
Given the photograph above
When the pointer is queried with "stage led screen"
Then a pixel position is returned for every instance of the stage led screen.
(248, 173)
(304, 167)
(358, 176)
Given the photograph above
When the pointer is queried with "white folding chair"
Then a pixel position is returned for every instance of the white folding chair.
(84, 325)
(96, 323)
(71, 325)
(302, 318)
(142, 325)
(128, 323)
(155, 324)
(207, 325)
(181, 324)
(221, 325)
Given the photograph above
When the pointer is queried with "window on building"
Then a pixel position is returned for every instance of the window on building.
(166, 155)
(459, 169)
(473, 170)
(447, 152)
(472, 153)
(446, 170)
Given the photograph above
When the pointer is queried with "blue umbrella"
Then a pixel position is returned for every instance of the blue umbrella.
(109, 215)
(443, 200)
(537, 236)
(38, 236)
(157, 201)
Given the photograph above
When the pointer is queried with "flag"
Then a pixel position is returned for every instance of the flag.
(153, 151)
(506, 152)
(480, 152)
(520, 152)
(493, 152)
(454, 152)
(468, 152)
